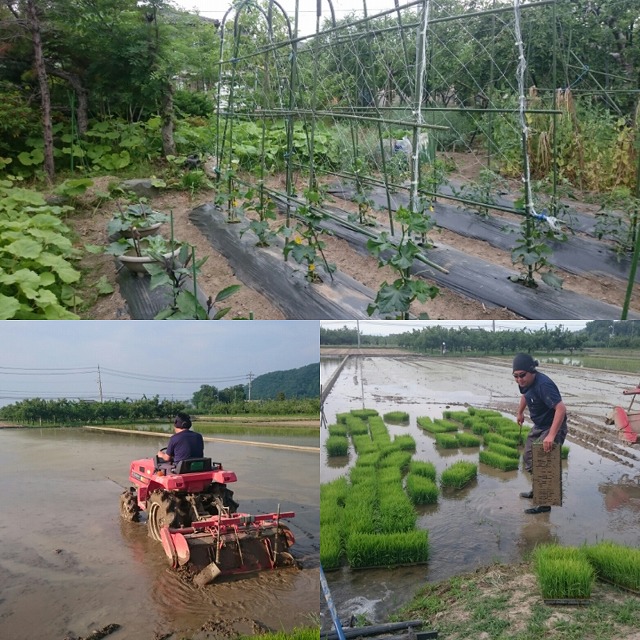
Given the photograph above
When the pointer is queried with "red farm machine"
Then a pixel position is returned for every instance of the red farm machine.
(627, 420)
(192, 513)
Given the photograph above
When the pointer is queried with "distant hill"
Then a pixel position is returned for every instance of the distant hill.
(293, 383)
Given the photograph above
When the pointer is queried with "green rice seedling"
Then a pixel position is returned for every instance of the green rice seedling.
(369, 459)
(387, 550)
(341, 418)
(616, 563)
(485, 413)
(337, 446)
(356, 426)
(397, 417)
(446, 440)
(405, 443)
(361, 473)
(364, 413)
(424, 422)
(398, 459)
(500, 422)
(564, 452)
(563, 572)
(337, 430)
(421, 490)
(457, 416)
(498, 439)
(503, 450)
(332, 514)
(389, 475)
(395, 513)
(459, 474)
(335, 490)
(446, 424)
(479, 426)
(378, 430)
(331, 550)
(299, 633)
(504, 463)
(363, 444)
(425, 469)
(468, 439)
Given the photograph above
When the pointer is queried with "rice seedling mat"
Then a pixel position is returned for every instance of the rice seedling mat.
(547, 476)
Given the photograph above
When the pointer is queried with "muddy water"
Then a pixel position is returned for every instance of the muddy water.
(70, 565)
(484, 522)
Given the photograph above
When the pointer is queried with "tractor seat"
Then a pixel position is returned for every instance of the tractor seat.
(192, 465)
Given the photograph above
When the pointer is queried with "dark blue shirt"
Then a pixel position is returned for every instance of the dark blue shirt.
(184, 445)
(542, 397)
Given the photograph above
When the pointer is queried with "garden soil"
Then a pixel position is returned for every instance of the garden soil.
(91, 217)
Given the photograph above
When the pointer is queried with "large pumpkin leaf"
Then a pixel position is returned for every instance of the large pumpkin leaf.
(8, 307)
(25, 248)
(62, 267)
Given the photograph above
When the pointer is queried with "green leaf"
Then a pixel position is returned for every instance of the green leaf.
(94, 248)
(103, 286)
(8, 307)
(394, 298)
(26, 248)
(65, 271)
(552, 280)
(221, 313)
(227, 292)
(190, 306)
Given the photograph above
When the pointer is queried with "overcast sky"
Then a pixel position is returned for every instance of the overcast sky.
(386, 327)
(217, 9)
(61, 358)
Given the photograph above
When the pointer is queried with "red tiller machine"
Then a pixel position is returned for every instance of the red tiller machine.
(626, 420)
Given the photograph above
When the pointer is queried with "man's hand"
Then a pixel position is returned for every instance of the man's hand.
(164, 456)
(547, 443)
(520, 419)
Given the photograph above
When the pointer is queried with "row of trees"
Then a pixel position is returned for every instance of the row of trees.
(597, 334)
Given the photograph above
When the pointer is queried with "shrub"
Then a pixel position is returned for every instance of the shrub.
(421, 490)
(425, 469)
(397, 417)
(365, 550)
(459, 474)
(504, 463)
(446, 440)
(616, 563)
(337, 446)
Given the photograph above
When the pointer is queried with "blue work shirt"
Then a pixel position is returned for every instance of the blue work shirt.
(184, 445)
(542, 398)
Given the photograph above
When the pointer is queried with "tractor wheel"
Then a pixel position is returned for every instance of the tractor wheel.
(129, 509)
(216, 497)
(161, 512)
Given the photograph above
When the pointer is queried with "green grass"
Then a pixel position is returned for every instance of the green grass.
(337, 446)
(396, 417)
(301, 633)
(504, 463)
(498, 439)
(405, 443)
(331, 551)
(364, 413)
(564, 452)
(356, 426)
(399, 459)
(366, 550)
(363, 444)
(446, 440)
(483, 413)
(503, 450)
(616, 563)
(421, 490)
(468, 439)
(337, 430)
(563, 572)
(459, 474)
(458, 416)
(425, 469)
(436, 426)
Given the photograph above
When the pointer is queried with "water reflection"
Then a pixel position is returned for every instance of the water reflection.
(624, 494)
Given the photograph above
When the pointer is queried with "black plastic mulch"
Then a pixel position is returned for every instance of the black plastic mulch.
(578, 255)
(283, 283)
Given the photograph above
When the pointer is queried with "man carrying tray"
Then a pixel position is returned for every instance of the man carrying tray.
(546, 410)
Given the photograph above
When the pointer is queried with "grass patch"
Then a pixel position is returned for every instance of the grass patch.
(425, 469)
(365, 550)
(337, 430)
(446, 440)
(405, 443)
(337, 446)
(616, 563)
(396, 417)
(421, 490)
(364, 413)
(504, 463)
(459, 474)
(563, 572)
(498, 439)
(356, 426)
(331, 551)
(436, 426)
(468, 439)
(301, 633)
(458, 416)
(503, 450)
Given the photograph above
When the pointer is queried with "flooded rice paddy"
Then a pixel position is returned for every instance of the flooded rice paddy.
(70, 565)
(485, 522)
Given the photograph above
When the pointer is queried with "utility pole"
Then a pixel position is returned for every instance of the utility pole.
(250, 380)
(99, 384)
(358, 332)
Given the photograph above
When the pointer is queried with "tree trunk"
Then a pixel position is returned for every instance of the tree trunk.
(166, 113)
(82, 110)
(45, 98)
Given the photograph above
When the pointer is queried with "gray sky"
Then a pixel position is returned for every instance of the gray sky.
(217, 9)
(186, 354)
(387, 327)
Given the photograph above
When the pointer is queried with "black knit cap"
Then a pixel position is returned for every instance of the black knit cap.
(524, 362)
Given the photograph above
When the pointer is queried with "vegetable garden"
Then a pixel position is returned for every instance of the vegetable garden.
(381, 165)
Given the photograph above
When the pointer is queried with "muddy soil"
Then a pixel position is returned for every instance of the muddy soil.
(71, 566)
(485, 521)
(89, 223)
